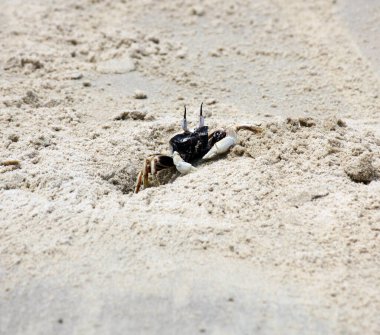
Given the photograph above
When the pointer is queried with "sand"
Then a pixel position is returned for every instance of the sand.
(280, 235)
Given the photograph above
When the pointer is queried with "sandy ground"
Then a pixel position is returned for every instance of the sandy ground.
(281, 235)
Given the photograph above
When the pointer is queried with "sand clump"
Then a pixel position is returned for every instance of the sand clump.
(116, 66)
(360, 169)
(133, 115)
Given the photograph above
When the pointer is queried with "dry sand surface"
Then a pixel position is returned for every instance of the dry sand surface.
(281, 235)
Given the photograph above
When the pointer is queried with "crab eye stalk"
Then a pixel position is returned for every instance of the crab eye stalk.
(184, 122)
(201, 118)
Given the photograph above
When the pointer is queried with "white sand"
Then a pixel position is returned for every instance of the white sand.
(279, 236)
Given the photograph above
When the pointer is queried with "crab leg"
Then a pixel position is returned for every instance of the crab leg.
(146, 170)
(143, 176)
(138, 182)
(223, 145)
(151, 166)
(182, 166)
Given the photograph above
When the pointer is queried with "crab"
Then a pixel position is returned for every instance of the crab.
(190, 146)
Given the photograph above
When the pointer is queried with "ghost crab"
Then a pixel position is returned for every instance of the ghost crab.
(191, 146)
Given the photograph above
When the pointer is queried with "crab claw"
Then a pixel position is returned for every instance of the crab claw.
(223, 145)
(182, 166)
